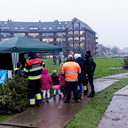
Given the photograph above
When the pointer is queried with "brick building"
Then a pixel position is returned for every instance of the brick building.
(71, 35)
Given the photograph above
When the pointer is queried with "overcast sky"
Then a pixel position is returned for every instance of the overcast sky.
(109, 18)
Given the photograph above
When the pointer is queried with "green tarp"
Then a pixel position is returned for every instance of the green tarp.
(19, 44)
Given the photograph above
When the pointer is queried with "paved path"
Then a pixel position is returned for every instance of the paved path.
(57, 114)
(116, 115)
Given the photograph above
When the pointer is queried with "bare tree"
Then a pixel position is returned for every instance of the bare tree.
(115, 50)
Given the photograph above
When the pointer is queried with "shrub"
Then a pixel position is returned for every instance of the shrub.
(14, 96)
(125, 66)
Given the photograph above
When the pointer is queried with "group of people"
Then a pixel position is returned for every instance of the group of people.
(75, 73)
(78, 71)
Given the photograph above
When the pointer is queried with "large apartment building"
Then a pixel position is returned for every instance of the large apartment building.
(70, 35)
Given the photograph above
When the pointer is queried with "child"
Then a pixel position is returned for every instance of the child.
(62, 83)
(56, 84)
(46, 82)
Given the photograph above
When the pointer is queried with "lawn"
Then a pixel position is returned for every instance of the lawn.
(93, 111)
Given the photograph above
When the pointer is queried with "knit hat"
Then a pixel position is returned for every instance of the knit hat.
(88, 52)
(77, 55)
(30, 54)
(54, 71)
(70, 56)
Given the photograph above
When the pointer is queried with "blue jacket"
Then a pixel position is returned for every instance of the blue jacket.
(81, 62)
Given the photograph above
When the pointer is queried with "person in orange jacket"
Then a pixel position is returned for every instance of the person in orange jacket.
(71, 70)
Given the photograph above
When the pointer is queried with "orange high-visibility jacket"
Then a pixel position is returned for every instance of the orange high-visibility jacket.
(71, 70)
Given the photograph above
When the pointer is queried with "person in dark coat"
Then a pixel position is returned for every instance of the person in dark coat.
(90, 68)
(81, 77)
(18, 70)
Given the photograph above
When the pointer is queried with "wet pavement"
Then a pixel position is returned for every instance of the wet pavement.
(116, 115)
(57, 114)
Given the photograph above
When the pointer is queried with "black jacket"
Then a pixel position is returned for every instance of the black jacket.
(81, 62)
(90, 65)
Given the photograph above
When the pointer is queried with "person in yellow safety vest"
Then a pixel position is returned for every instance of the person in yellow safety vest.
(85, 83)
(33, 69)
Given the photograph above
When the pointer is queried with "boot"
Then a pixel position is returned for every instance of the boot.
(85, 92)
(48, 100)
(43, 99)
(54, 96)
(92, 94)
(59, 96)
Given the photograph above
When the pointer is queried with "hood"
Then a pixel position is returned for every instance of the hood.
(78, 59)
(45, 71)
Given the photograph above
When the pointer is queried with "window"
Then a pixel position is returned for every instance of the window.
(50, 27)
(76, 44)
(81, 26)
(58, 39)
(22, 28)
(33, 34)
(70, 45)
(16, 34)
(5, 34)
(47, 40)
(82, 45)
(76, 38)
(47, 34)
(60, 34)
(76, 32)
(33, 28)
(70, 33)
(44, 28)
(70, 39)
(76, 25)
(81, 32)
(82, 38)
(5, 28)
(16, 27)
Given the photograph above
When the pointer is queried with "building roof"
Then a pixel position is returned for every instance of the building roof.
(9, 26)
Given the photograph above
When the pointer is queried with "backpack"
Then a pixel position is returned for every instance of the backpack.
(93, 64)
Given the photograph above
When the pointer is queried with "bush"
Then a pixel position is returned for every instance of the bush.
(125, 66)
(14, 96)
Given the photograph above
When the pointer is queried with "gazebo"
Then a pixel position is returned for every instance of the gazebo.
(22, 44)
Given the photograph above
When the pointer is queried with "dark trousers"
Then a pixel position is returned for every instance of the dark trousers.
(34, 88)
(90, 77)
(69, 87)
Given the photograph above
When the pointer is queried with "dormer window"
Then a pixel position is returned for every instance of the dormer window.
(33, 28)
(5, 28)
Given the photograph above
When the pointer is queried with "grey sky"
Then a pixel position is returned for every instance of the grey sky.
(109, 18)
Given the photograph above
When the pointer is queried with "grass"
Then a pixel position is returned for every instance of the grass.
(91, 114)
(99, 103)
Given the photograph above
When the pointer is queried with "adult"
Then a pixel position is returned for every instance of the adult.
(33, 70)
(18, 70)
(71, 70)
(22, 60)
(90, 71)
(71, 53)
(81, 77)
(54, 60)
